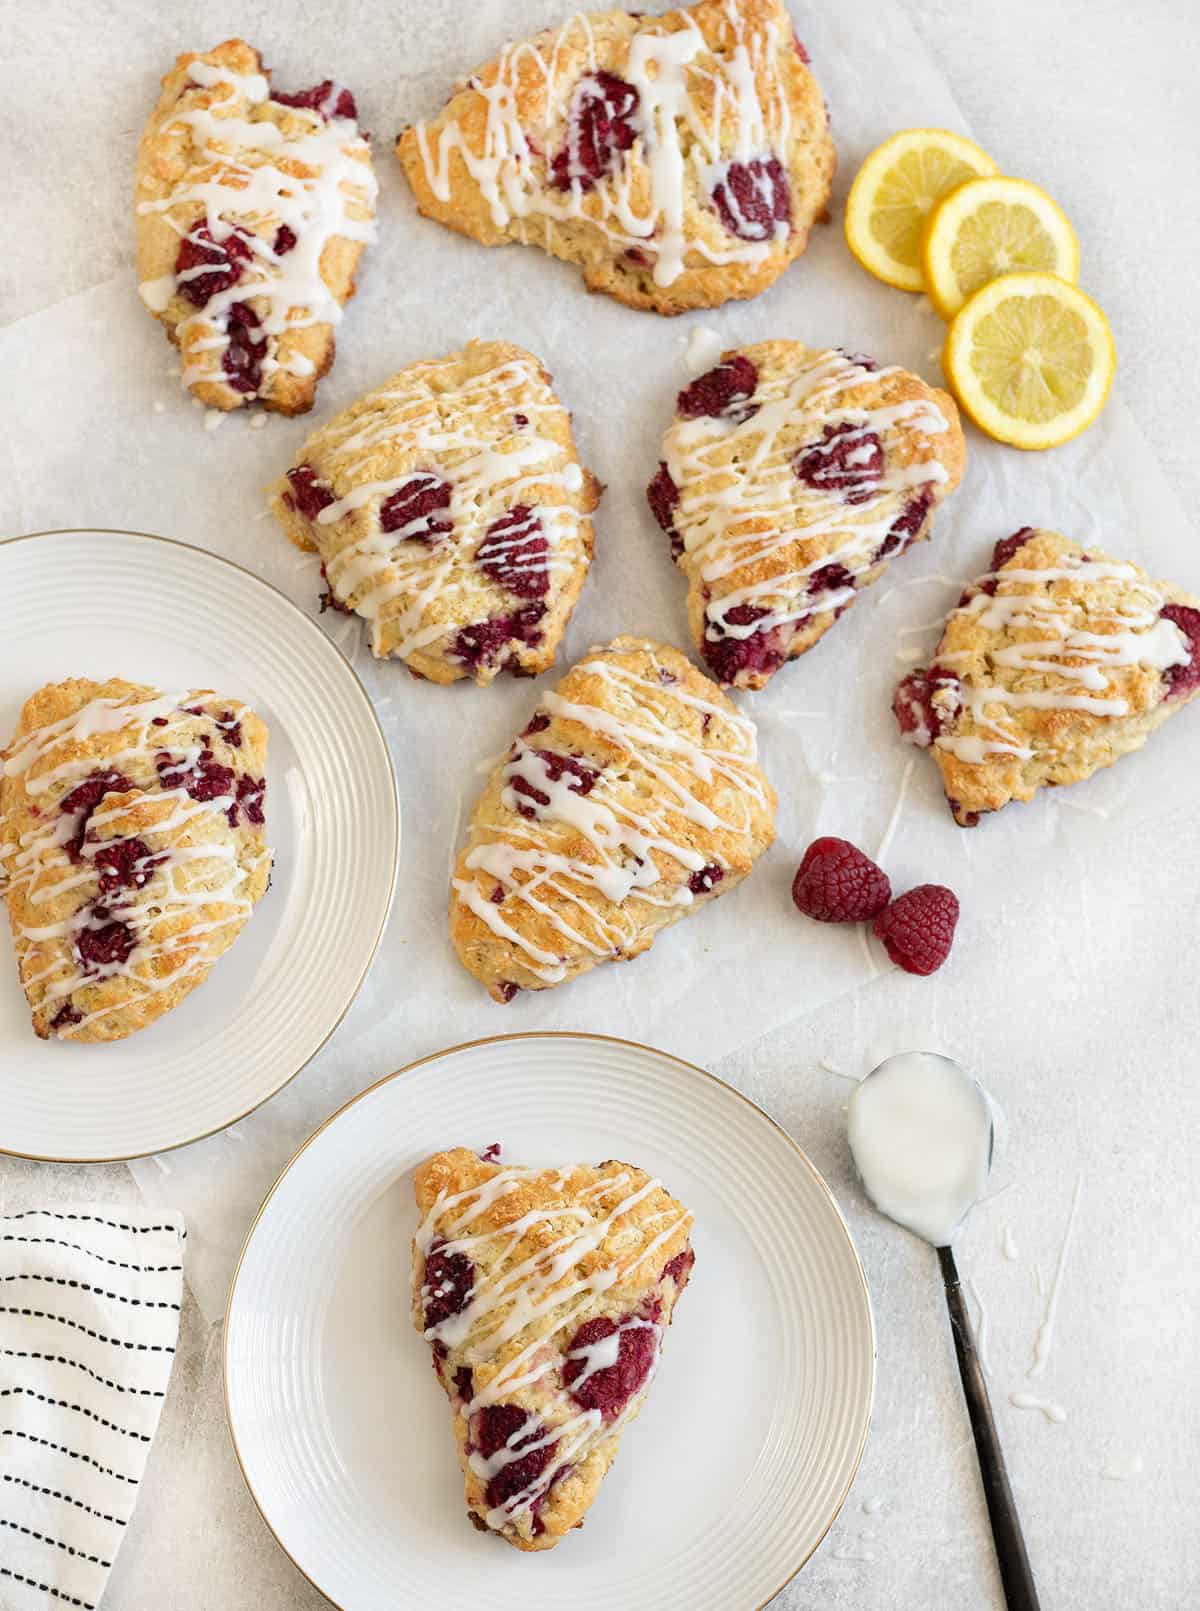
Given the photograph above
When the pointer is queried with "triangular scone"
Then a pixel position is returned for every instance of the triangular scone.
(449, 508)
(132, 848)
(546, 1295)
(789, 479)
(631, 797)
(253, 208)
(1056, 663)
(679, 159)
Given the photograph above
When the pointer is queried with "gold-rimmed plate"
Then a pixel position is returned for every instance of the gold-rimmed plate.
(751, 1435)
(107, 603)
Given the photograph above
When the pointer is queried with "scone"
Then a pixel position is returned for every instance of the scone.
(132, 848)
(789, 478)
(1054, 664)
(450, 511)
(680, 159)
(253, 209)
(631, 798)
(546, 1295)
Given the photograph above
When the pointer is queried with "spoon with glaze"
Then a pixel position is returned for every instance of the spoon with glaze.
(922, 1133)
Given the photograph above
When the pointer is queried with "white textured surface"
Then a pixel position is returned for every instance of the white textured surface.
(1073, 997)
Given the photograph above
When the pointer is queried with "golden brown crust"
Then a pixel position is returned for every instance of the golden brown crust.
(788, 501)
(502, 132)
(632, 797)
(188, 167)
(1053, 665)
(509, 1266)
(132, 848)
(461, 531)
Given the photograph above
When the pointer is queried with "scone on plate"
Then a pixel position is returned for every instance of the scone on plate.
(679, 159)
(1055, 663)
(789, 479)
(632, 797)
(253, 209)
(450, 511)
(546, 1295)
(132, 848)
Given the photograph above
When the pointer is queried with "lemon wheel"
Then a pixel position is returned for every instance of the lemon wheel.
(993, 226)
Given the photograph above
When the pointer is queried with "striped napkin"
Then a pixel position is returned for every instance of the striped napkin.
(89, 1317)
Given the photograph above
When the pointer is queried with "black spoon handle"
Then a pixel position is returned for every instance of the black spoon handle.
(1016, 1574)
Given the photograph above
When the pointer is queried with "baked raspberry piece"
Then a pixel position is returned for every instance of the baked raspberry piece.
(837, 883)
(83, 799)
(599, 129)
(706, 879)
(663, 496)
(925, 704)
(1183, 679)
(305, 493)
(416, 510)
(754, 199)
(721, 393)
(327, 98)
(541, 1370)
(245, 349)
(104, 942)
(515, 553)
(846, 462)
(205, 266)
(917, 929)
(124, 864)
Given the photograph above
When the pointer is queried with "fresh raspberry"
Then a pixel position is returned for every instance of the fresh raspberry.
(721, 393)
(449, 1281)
(307, 494)
(921, 719)
(610, 1389)
(242, 359)
(906, 525)
(414, 509)
(847, 463)
(327, 98)
(1183, 679)
(663, 497)
(222, 262)
(515, 553)
(599, 130)
(754, 198)
(837, 883)
(917, 929)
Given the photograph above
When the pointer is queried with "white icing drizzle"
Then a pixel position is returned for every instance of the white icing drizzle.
(600, 898)
(464, 434)
(1045, 1333)
(246, 174)
(1027, 1401)
(731, 516)
(179, 879)
(698, 110)
(518, 1297)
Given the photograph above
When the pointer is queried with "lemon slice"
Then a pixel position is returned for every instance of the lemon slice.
(894, 192)
(1030, 359)
(993, 226)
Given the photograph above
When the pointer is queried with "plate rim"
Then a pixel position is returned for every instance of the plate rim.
(576, 1035)
(232, 564)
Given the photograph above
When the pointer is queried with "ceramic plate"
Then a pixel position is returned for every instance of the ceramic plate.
(749, 1439)
(102, 604)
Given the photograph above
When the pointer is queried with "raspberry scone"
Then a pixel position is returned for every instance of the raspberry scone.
(680, 160)
(632, 797)
(253, 209)
(450, 511)
(789, 479)
(546, 1295)
(1053, 665)
(132, 848)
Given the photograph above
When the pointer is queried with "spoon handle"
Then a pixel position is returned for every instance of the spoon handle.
(1016, 1574)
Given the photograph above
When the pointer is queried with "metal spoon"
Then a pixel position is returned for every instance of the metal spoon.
(935, 1223)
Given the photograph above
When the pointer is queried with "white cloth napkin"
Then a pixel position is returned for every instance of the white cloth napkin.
(89, 1318)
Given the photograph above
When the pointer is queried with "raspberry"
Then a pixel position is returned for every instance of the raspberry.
(125, 863)
(83, 800)
(663, 496)
(500, 1426)
(285, 240)
(413, 509)
(250, 792)
(706, 879)
(905, 526)
(837, 883)
(103, 944)
(464, 1383)
(581, 779)
(1183, 679)
(679, 1269)
(1008, 546)
(205, 779)
(66, 1015)
(483, 641)
(798, 45)
(599, 130)
(830, 579)
(765, 651)
(449, 1280)
(847, 463)
(721, 393)
(515, 553)
(307, 494)
(243, 357)
(921, 720)
(610, 1389)
(753, 198)
(222, 261)
(917, 929)
(862, 359)
(327, 98)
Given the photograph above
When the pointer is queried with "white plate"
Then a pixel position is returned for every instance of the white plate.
(749, 1439)
(106, 603)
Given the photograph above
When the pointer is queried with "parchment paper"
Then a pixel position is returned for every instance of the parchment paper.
(97, 432)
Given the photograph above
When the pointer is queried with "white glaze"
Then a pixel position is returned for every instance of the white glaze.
(1044, 1340)
(1027, 1401)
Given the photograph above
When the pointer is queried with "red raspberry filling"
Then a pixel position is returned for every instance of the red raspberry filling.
(125, 864)
(536, 724)
(837, 883)
(449, 1281)
(917, 929)
(413, 509)
(920, 720)
(906, 526)
(1183, 680)
(327, 98)
(83, 800)
(760, 652)
(599, 129)
(663, 497)
(706, 879)
(847, 463)
(223, 262)
(464, 1383)
(482, 643)
(679, 1268)
(104, 944)
(515, 553)
(204, 778)
(754, 198)
(308, 495)
(285, 240)
(609, 1390)
(66, 1015)
(250, 799)
(830, 579)
(499, 1426)
(242, 359)
(1007, 547)
(721, 393)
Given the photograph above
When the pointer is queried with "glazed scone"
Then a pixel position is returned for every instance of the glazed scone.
(1056, 663)
(450, 511)
(546, 1295)
(132, 848)
(789, 478)
(632, 797)
(680, 160)
(253, 209)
